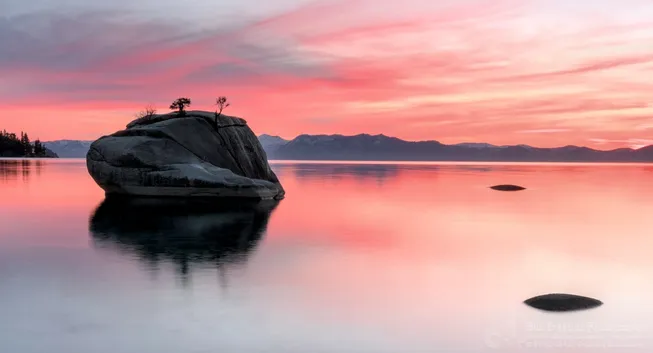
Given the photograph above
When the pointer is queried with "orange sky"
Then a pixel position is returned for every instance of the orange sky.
(544, 73)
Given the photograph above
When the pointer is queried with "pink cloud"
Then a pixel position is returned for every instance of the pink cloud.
(542, 131)
(600, 65)
(634, 143)
(476, 71)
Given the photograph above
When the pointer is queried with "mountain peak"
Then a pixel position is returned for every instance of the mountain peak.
(475, 145)
(270, 136)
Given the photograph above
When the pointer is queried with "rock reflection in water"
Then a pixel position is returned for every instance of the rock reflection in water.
(181, 232)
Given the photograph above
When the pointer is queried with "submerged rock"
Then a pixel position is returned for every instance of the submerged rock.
(184, 156)
(562, 302)
(507, 187)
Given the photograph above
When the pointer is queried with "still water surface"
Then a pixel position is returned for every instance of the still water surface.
(357, 258)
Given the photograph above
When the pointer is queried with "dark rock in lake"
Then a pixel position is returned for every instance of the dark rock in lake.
(507, 187)
(184, 156)
(562, 302)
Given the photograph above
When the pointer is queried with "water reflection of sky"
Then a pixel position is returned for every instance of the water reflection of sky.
(371, 258)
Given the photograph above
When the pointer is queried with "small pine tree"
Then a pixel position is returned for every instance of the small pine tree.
(39, 149)
(179, 104)
(147, 112)
(27, 146)
(221, 102)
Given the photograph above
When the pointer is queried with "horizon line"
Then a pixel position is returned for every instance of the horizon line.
(414, 141)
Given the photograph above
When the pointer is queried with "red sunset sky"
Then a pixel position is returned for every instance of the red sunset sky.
(545, 73)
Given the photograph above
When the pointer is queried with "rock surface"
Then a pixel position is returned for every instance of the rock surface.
(189, 156)
(562, 302)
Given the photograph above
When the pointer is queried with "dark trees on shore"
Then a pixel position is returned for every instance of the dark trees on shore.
(14, 146)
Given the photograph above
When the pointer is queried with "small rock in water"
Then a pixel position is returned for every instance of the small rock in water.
(507, 187)
(562, 302)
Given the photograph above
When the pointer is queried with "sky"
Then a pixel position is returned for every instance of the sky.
(542, 72)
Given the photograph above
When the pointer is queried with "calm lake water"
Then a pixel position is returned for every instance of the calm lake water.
(357, 258)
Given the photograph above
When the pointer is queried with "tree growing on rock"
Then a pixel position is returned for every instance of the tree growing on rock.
(179, 104)
(147, 112)
(221, 102)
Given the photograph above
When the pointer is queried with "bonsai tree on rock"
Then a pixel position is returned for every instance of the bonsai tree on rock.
(221, 102)
(147, 112)
(179, 104)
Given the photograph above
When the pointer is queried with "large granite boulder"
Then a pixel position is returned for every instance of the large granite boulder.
(184, 156)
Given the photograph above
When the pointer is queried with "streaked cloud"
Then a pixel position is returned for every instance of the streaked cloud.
(450, 70)
(634, 143)
(542, 131)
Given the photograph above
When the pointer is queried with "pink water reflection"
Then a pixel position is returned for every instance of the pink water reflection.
(418, 248)
(379, 257)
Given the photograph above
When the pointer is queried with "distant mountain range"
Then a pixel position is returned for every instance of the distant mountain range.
(69, 148)
(271, 143)
(385, 148)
